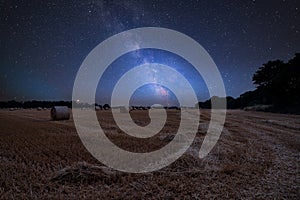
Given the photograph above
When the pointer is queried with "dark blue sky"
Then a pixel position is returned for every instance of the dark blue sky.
(43, 44)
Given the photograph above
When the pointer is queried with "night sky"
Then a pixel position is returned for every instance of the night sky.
(43, 44)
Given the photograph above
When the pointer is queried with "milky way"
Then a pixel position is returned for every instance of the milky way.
(43, 44)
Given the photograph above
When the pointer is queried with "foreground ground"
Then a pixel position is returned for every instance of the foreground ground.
(257, 156)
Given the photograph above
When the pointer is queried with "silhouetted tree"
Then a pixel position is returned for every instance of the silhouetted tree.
(279, 81)
(230, 101)
(268, 73)
(106, 107)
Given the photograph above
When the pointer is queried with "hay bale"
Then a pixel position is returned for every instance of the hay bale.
(97, 108)
(263, 108)
(60, 113)
(39, 108)
(123, 109)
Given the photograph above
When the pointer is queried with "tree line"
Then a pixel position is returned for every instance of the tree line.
(277, 85)
(277, 88)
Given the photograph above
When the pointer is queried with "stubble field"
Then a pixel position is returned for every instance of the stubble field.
(257, 156)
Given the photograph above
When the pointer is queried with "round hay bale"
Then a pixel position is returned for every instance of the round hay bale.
(97, 108)
(123, 109)
(116, 109)
(60, 113)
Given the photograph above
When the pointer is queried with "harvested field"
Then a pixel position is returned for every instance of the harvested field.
(257, 156)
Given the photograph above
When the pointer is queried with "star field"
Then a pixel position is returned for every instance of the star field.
(43, 44)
